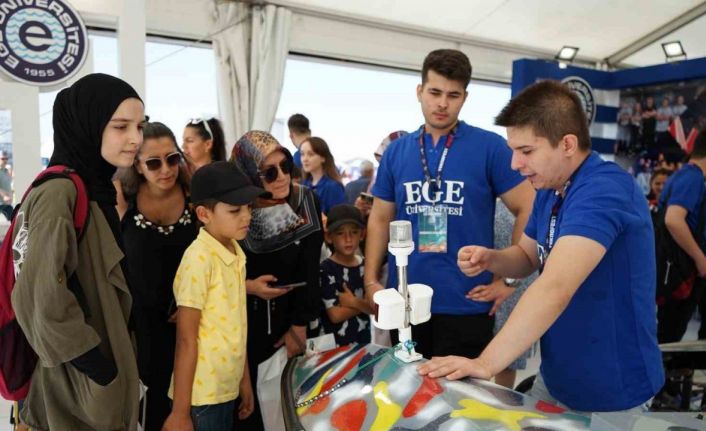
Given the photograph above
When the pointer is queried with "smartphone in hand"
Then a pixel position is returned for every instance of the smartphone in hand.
(366, 197)
(289, 285)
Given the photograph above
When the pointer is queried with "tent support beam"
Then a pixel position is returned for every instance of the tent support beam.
(657, 34)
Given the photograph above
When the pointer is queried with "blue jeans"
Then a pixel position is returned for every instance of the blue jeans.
(214, 417)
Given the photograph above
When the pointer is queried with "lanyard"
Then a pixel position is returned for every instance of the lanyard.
(551, 232)
(425, 164)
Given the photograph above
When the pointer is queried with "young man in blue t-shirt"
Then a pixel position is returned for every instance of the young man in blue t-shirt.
(683, 196)
(445, 179)
(590, 235)
(299, 132)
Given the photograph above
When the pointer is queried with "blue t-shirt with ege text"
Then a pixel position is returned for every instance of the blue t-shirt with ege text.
(477, 170)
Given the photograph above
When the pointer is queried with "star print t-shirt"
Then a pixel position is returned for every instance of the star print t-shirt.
(212, 279)
(333, 276)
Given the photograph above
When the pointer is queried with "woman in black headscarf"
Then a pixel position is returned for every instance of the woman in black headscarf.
(71, 296)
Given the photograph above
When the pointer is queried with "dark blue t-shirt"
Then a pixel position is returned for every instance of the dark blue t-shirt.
(297, 158)
(686, 189)
(476, 172)
(330, 192)
(333, 276)
(601, 354)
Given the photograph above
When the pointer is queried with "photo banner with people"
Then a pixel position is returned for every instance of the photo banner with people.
(626, 103)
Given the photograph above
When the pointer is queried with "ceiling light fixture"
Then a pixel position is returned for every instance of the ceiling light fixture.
(567, 54)
(673, 51)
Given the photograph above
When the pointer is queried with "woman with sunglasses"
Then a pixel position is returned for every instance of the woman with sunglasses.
(282, 248)
(204, 142)
(320, 173)
(158, 225)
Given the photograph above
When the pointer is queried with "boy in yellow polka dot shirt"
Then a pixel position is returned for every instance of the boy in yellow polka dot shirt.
(210, 367)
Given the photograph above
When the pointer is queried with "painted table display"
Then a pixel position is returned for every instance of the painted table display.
(355, 388)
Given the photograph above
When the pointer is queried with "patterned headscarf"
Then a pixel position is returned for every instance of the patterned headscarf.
(252, 149)
(276, 223)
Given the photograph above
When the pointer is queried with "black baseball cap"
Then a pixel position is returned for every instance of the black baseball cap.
(224, 182)
(343, 214)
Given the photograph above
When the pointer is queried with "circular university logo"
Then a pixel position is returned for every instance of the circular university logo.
(585, 93)
(42, 42)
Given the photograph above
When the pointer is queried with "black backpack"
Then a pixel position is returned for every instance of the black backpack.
(674, 265)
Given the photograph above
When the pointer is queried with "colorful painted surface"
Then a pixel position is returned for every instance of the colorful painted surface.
(427, 390)
(367, 388)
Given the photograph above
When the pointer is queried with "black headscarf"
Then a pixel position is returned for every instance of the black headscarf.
(81, 113)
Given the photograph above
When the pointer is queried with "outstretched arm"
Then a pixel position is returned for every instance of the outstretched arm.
(570, 263)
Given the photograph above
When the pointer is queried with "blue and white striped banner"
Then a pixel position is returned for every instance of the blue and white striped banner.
(604, 130)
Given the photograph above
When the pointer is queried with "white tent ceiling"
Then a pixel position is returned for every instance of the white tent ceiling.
(494, 33)
(600, 28)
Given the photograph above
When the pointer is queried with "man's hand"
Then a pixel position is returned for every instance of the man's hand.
(247, 399)
(496, 291)
(260, 287)
(370, 292)
(178, 422)
(474, 259)
(363, 206)
(455, 367)
(294, 340)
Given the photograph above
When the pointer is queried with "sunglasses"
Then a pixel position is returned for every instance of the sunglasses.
(155, 163)
(197, 121)
(271, 173)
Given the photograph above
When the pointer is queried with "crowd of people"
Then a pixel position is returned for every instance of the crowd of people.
(645, 127)
(215, 264)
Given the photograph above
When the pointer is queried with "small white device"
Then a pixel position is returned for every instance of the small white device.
(409, 304)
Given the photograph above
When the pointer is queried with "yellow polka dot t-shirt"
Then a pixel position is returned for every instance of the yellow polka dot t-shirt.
(212, 279)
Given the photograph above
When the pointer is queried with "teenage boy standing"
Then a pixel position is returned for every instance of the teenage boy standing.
(445, 178)
(591, 237)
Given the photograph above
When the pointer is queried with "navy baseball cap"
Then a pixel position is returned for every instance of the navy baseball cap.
(224, 182)
(342, 214)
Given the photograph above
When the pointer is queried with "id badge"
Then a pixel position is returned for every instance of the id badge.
(433, 232)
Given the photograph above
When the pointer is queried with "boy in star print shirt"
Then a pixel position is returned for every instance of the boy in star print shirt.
(210, 367)
(346, 312)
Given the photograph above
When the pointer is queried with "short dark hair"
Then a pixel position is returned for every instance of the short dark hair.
(452, 64)
(551, 109)
(298, 124)
(218, 147)
(699, 151)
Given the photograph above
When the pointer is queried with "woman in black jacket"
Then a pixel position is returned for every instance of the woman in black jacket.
(282, 247)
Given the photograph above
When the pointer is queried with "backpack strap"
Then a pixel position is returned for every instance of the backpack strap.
(81, 206)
